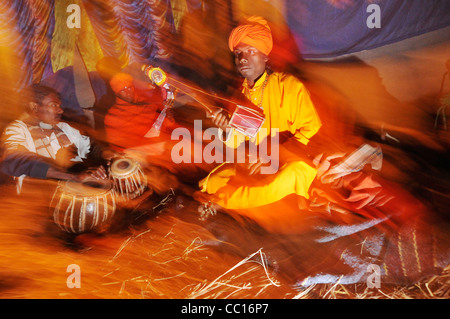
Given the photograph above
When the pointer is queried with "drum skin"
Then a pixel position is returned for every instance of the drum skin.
(128, 179)
(83, 207)
(247, 120)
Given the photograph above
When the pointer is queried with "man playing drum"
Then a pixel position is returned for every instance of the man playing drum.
(40, 145)
(288, 111)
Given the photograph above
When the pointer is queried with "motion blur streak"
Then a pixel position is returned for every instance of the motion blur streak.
(387, 96)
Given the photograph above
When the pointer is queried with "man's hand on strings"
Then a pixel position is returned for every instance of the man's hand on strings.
(220, 119)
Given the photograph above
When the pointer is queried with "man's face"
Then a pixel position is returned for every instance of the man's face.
(127, 93)
(250, 62)
(49, 111)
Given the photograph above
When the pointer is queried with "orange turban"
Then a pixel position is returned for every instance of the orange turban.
(254, 32)
(120, 80)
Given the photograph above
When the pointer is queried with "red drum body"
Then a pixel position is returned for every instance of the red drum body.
(83, 207)
(246, 120)
(128, 178)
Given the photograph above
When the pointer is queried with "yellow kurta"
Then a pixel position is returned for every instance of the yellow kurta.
(287, 107)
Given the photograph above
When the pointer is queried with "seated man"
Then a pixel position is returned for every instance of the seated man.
(301, 175)
(288, 111)
(39, 145)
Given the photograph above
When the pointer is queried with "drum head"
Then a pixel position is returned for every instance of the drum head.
(247, 120)
(123, 166)
(89, 187)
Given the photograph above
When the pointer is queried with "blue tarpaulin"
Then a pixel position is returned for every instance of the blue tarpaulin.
(322, 29)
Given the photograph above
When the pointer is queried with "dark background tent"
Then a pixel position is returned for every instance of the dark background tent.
(373, 53)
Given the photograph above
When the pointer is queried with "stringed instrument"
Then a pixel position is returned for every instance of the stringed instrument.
(245, 117)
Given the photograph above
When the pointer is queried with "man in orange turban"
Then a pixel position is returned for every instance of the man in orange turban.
(343, 196)
(256, 33)
(288, 110)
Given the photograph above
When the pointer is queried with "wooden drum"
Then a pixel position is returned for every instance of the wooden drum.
(128, 178)
(247, 120)
(83, 207)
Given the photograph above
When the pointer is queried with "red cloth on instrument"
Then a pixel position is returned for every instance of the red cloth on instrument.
(254, 32)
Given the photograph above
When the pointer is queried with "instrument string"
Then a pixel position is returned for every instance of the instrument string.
(203, 92)
(187, 93)
(176, 84)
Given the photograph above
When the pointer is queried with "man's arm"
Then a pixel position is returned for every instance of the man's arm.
(53, 173)
(24, 163)
(304, 118)
(17, 158)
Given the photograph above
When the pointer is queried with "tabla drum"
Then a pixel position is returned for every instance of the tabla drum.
(83, 207)
(128, 178)
(247, 120)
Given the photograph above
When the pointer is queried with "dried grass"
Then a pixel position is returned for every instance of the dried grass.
(164, 257)
(434, 287)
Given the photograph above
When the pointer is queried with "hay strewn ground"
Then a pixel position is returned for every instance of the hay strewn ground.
(162, 256)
